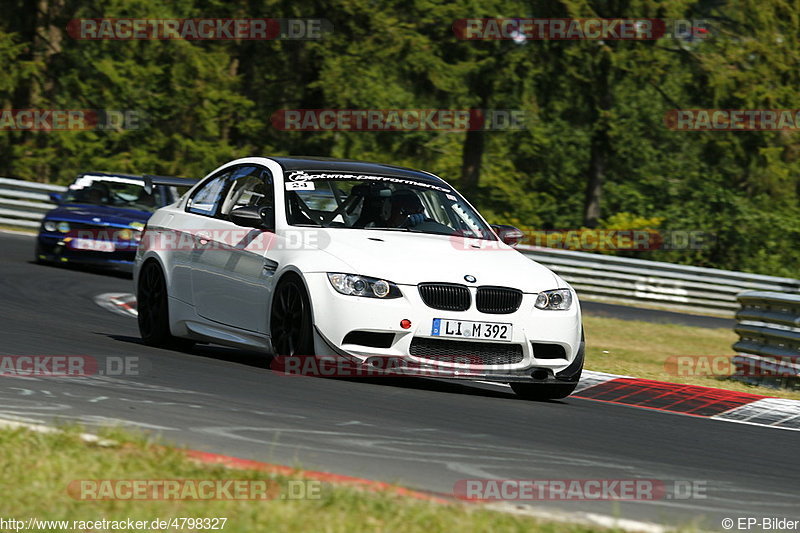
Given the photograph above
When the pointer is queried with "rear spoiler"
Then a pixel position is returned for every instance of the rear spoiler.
(169, 181)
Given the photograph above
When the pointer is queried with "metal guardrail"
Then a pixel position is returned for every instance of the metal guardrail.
(678, 287)
(594, 276)
(769, 337)
(24, 203)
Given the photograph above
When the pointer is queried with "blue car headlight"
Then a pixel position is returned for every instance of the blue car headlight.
(355, 285)
(55, 225)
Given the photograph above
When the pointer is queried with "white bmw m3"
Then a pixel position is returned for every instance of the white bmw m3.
(324, 257)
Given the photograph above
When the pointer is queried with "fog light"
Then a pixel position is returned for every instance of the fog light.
(405, 323)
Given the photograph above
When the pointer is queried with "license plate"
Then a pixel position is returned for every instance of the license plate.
(465, 329)
(90, 244)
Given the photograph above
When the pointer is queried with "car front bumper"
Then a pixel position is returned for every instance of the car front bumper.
(57, 249)
(533, 331)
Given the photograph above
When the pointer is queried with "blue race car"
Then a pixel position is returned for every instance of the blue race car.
(99, 220)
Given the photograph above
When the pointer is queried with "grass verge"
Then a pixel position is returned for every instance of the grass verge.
(38, 467)
(641, 349)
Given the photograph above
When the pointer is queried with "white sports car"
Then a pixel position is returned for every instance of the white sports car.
(324, 257)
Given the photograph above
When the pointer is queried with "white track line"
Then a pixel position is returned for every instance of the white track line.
(41, 428)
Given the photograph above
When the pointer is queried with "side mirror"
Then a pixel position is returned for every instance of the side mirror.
(508, 234)
(56, 197)
(253, 217)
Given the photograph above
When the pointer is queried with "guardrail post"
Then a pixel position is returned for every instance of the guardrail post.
(768, 325)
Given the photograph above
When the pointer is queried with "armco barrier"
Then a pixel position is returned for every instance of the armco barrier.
(769, 336)
(679, 287)
(24, 203)
(594, 276)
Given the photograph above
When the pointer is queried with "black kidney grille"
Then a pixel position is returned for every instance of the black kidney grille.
(466, 352)
(445, 296)
(498, 300)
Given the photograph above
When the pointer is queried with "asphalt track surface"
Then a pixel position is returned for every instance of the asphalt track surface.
(423, 434)
(658, 316)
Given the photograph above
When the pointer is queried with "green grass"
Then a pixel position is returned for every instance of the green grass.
(37, 468)
(641, 349)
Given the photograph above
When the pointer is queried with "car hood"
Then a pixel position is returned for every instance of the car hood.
(107, 215)
(408, 258)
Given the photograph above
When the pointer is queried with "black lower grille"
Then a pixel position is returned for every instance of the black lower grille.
(465, 352)
(445, 296)
(498, 300)
(548, 351)
(373, 339)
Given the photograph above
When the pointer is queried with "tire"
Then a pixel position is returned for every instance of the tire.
(532, 391)
(153, 310)
(290, 325)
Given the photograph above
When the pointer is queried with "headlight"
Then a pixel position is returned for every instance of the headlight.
(49, 225)
(355, 285)
(558, 300)
(63, 227)
(139, 229)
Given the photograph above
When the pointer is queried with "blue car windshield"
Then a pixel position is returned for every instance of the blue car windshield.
(114, 192)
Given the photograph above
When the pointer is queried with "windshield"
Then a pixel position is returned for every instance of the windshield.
(113, 191)
(378, 202)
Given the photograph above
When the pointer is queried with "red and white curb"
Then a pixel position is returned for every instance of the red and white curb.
(692, 400)
(121, 303)
(771, 412)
